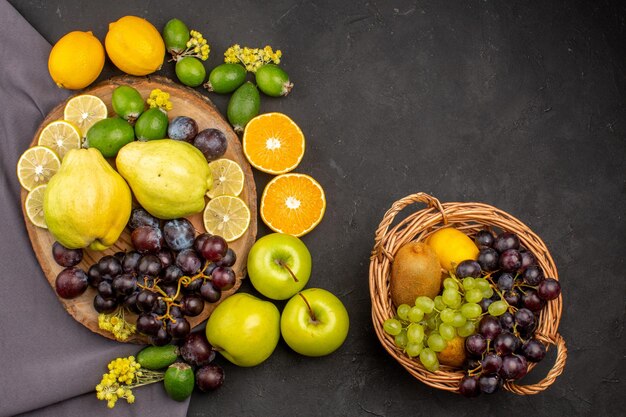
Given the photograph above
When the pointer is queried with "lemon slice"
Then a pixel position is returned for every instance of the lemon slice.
(227, 178)
(60, 136)
(36, 166)
(227, 216)
(34, 206)
(84, 111)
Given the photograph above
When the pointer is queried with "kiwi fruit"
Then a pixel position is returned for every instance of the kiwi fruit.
(454, 353)
(415, 271)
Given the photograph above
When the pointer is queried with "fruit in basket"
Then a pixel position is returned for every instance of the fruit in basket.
(169, 178)
(452, 247)
(182, 128)
(454, 353)
(314, 322)
(243, 105)
(127, 102)
(244, 329)
(190, 71)
(279, 265)
(87, 203)
(273, 80)
(175, 35)
(415, 272)
(110, 135)
(135, 46)
(76, 60)
(226, 78)
(179, 381)
(151, 125)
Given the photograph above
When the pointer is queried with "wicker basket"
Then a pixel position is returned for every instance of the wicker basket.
(469, 218)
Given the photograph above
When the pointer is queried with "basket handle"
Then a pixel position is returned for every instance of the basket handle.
(557, 368)
(391, 214)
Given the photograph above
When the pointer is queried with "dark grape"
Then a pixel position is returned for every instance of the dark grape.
(130, 262)
(109, 266)
(146, 300)
(71, 282)
(161, 338)
(485, 303)
(105, 289)
(147, 239)
(149, 265)
(210, 268)
(188, 261)
(532, 301)
(534, 350)
(223, 278)
(505, 241)
(192, 305)
(488, 259)
(507, 321)
(513, 297)
(512, 368)
(471, 363)
(175, 311)
(193, 287)
(178, 234)
(489, 383)
(229, 259)
(469, 387)
(102, 305)
(209, 377)
(160, 307)
(94, 276)
(468, 268)
(169, 288)
(549, 289)
(528, 259)
(166, 257)
(130, 302)
(124, 284)
(533, 275)
(212, 248)
(475, 345)
(139, 217)
(182, 128)
(120, 255)
(524, 317)
(491, 363)
(196, 350)
(179, 329)
(147, 323)
(506, 343)
(506, 281)
(209, 292)
(66, 257)
(489, 327)
(510, 260)
(484, 239)
(212, 143)
(171, 274)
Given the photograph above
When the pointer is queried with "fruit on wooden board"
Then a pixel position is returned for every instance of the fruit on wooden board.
(86, 203)
(60, 136)
(151, 125)
(452, 247)
(110, 135)
(76, 60)
(415, 272)
(84, 111)
(169, 178)
(135, 46)
(454, 353)
(127, 102)
(37, 166)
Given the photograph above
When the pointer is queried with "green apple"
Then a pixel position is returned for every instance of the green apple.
(244, 329)
(314, 322)
(279, 265)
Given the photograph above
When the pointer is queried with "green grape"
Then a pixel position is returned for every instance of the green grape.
(431, 322)
(450, 283)
(403, 311)
(416, 314)
(471, 310)
(488, 293)
(468, 283)
(392, 327)
(415, 333)
(447, 315)
(467, 329)
(429, 359)
(436, 342)
(474, 295)
(402, 339)
(498, 308)
(451, 297)
(482, 284)
(425, 304)
(414, 349)
(459, 319)
(447, 331)
(439, 304)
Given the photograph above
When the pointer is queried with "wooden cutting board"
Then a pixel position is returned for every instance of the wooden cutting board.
(186, 102)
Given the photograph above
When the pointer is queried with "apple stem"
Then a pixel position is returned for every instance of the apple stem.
(311, 313)
(284, 265)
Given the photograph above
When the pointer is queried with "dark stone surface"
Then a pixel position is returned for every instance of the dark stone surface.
(514, 105)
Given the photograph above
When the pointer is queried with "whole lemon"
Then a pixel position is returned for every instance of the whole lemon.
(76, 60)
(135, 46)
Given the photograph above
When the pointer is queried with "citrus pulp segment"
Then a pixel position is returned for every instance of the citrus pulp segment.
(293, 204)
(228, 178)
(273, 143)
(36, 166)
(34, 206)
(226, 216)
(84, 111)
(60, 136)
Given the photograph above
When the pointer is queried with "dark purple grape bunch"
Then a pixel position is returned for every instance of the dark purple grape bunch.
(71, 282)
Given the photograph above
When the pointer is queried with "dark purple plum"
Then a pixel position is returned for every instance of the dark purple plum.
(178, 234)
(182, 128)
(66, 257)
(71, 283)
(140, 217)
(212, 143)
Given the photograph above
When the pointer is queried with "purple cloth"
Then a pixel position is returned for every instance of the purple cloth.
(50, 362)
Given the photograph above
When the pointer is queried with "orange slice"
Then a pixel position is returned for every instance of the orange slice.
(293, 204)
(273, 143)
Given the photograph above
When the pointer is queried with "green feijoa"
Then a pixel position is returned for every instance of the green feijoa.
(175, 35)
(157, 357)
(273, 80)
(190, 71)
(152, 124)
(243, 106)
(179, 381)
(110, 135)
(127, 102)
(226, 78)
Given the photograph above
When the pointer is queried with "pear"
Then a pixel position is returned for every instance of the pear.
(169, 178)
(86, 203)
